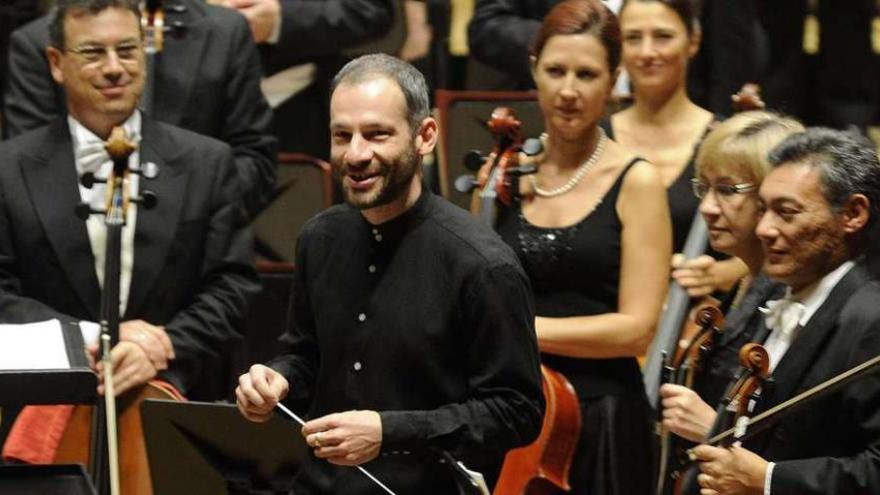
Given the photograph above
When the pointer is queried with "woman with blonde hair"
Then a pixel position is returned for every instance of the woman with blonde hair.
(730, 166)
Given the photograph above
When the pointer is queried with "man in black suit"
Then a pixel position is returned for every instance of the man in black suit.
(13, 13)
(207, 80)
(302, 45)
(186, 273)
(821, 202)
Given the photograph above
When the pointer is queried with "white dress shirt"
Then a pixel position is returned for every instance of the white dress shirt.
(778, 342)
(90, 156)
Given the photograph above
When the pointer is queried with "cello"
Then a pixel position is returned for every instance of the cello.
(109, 436)
(542, 466)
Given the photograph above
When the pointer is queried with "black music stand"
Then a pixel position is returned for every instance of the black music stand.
(58, 479)
(197, 448)
(77, 384)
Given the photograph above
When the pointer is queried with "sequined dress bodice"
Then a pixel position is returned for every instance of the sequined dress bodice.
(575, 271)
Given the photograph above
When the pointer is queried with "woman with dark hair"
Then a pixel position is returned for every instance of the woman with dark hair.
(663, 124)
(593, 233)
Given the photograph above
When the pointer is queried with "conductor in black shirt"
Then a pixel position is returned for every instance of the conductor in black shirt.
(412, 325)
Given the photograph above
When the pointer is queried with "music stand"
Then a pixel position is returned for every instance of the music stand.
(197, 448)
(77, 384)
(58, 479)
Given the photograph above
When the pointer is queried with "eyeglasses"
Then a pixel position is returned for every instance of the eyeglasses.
(127, 52)
(723, 191)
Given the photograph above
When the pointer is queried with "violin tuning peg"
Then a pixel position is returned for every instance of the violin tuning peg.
(84, 210)
(465, 183)
(88, 180)
(533, 147)
(522, 170)
(176, 29)
(147, 199)
(149, 170)
(473, 160)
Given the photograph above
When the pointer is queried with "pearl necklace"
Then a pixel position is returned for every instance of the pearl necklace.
(578, 174)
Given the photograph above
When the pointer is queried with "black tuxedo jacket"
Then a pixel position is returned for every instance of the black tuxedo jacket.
(501, 33)
(318, 32)
(192, 262)
(207, 80)
(833, 444)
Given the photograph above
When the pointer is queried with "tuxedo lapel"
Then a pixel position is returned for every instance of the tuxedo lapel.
(812, 340)
(747, 315)
(52, 185)
(155, 229)
(179, 52)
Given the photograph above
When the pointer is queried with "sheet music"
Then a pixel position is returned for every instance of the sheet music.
(33, 346)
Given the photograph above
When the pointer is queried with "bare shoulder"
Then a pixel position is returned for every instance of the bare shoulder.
(642, 177)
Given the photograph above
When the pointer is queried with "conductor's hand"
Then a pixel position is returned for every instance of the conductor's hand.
(259, 391)
(348, 439)
(696, 276)
(131, 368)
(684, 413)
(151, 338)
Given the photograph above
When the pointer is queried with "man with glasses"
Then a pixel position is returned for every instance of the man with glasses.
(207, 80)
(186, 273)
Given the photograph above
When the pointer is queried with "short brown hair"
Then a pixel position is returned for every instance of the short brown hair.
(582, 17)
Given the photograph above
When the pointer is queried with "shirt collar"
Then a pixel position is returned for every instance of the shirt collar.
(393, 230)
(82, 137)
(814, 295)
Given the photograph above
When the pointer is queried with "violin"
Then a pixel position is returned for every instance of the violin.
(681, 369)
(498, 176)
(155, 27)
(755, 370)
(113, 426)
(773, 415)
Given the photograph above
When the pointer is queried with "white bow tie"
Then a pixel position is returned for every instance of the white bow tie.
(783, 315)
(91, 155)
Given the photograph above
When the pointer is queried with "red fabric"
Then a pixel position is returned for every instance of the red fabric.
(36, 434)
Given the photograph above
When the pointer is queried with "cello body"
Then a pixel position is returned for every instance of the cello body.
(133, 464)
(542, 467)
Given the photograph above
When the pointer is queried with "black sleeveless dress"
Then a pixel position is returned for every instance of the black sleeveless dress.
(682, 202)
(575, 271)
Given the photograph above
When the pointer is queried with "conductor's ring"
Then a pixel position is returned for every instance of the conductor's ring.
(318, 440)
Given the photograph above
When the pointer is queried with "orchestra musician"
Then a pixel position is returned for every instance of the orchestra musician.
(819, 208)
(730, 166)
(593, 233)
(186, 274)
(207, 80)
(663, 125)
(412, 326)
